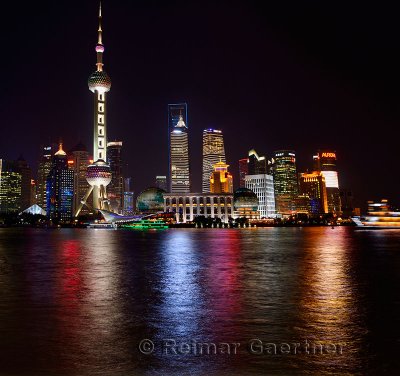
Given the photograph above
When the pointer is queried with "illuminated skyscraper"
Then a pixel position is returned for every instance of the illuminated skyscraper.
(263, 186)
(10, 187)
(325, 162)
(115, 191)
(221, 180)
(99, 84)
(283, 167)
(313, 185)
(60, 188)
(79, 161)
(213, 152)
(44, 168)
(179, 167)
(243, 171)
(129, 203)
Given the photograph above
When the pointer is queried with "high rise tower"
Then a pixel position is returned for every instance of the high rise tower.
(213, 152)
(44, 167)
(60, 188)
(325, 162)
(285, 181)
(115, 191)
(99, 84)
(10, 186)
(179, 167)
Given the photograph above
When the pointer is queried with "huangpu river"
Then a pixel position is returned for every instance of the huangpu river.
(266, 301)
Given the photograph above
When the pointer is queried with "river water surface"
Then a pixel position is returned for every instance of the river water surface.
(270, 301)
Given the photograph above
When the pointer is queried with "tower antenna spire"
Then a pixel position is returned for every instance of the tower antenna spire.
(100, 36)
(100, 47)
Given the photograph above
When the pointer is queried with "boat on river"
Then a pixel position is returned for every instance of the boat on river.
(379, 217)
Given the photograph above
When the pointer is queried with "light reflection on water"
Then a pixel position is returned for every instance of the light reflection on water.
(78, 302)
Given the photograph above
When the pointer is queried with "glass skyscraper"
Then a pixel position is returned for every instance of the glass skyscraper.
(325, 162)
(115, 190)
(179, 167)
(213, 152)
(60, 187)
(10, 186)
(44, 167)
(313, 185)
(283, 167)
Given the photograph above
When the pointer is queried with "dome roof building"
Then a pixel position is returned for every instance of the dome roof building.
(150, 200)
(245, 204)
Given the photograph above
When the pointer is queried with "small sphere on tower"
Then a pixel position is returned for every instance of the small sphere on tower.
(99, 48)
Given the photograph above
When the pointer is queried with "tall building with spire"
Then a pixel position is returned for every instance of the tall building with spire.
(99, 84)
(179, 166)
(213, 152)
(98, 174)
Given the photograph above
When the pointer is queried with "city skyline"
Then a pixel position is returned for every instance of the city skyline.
(347, 114)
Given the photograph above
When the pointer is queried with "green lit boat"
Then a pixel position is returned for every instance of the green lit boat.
(146, 224)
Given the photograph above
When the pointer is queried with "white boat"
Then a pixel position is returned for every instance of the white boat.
(102, 225)
(379, 217)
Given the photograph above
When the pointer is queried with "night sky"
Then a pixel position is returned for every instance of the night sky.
(300, 75)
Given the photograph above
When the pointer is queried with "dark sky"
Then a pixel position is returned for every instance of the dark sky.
(301, 75)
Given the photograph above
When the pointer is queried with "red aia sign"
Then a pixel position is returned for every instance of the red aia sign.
(328, 155)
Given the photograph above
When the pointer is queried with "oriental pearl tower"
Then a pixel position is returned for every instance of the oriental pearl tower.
(98, 174)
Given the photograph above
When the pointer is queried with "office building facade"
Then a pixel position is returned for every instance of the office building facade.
(10, 187)
(213, 152)
(325, 162)
(115, 190)
(129, 203)
(179, 166)
(263, 186)
(60, 189)
(284, 172)
(44, 167)
(313, 185)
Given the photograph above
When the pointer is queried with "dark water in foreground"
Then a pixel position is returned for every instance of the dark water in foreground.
(79, 302)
